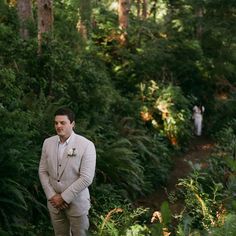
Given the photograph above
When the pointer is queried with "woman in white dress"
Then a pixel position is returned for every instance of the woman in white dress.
(198, 111)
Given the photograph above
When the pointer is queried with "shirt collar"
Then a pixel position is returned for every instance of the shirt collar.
(66, 142)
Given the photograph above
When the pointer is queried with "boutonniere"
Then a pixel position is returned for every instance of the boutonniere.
(71, 152)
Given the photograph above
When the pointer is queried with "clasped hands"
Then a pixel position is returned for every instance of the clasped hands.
(58, 202)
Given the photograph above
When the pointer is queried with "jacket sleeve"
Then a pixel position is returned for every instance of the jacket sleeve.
(86, 174)
(43, 174)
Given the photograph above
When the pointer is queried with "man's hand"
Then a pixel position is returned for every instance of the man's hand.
(58, 202)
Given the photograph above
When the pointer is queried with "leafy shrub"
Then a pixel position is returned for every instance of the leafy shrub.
(168, 111)
(228, 228)
(209, 193)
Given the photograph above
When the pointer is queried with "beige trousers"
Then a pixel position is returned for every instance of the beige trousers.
(65, 225)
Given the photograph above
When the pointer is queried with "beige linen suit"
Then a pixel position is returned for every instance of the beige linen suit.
(69, 177)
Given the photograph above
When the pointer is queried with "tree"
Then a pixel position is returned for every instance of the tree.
(45, 20)
(138, 8)
(144, 9)
(24, 10)
(199, 27)
(123, 11)
(85, 18)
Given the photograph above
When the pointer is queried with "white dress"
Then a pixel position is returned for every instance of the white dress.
(197, 116)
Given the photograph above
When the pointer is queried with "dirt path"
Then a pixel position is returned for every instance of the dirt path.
(200, 149)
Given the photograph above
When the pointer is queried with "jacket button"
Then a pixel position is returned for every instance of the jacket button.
(58, 180)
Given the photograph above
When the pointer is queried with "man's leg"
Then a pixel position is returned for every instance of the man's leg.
(79, 225)
(60, 223)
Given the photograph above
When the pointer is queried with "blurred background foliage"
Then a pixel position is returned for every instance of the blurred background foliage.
(133, 101)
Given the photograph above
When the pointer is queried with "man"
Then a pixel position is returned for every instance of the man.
(66, 169)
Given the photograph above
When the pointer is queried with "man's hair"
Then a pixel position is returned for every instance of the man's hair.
(64, 111)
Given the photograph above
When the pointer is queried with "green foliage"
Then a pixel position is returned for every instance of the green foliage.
(228, 228)
(138, 230)
(130, 217)
(209, 193)
(129, 172)
(100, 81)
(154, 154)
(141, 158)
(18, 161)
(223, 110)
(112, 215)
(163, 219)
(169, 111)
(92, 87)
(202, 198)
(225, 153)
(226, 139)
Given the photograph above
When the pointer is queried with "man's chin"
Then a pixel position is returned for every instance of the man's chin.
(60, 134)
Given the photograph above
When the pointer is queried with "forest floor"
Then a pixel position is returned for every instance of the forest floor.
(198, 152)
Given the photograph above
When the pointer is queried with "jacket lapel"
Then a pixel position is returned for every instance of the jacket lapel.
(55, 153)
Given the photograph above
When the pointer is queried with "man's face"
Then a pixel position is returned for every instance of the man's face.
(63, 126)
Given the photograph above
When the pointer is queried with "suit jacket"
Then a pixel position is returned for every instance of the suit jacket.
(73, 177)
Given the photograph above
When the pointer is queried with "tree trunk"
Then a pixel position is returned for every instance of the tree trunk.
(84, 23)
(153, 10)
(199, 28)
(45, 20)
(24, 10)
(138, 8)
(82, 30)
(123, 11)
(144, 9)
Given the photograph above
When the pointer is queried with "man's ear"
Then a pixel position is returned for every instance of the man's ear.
(73, 124)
